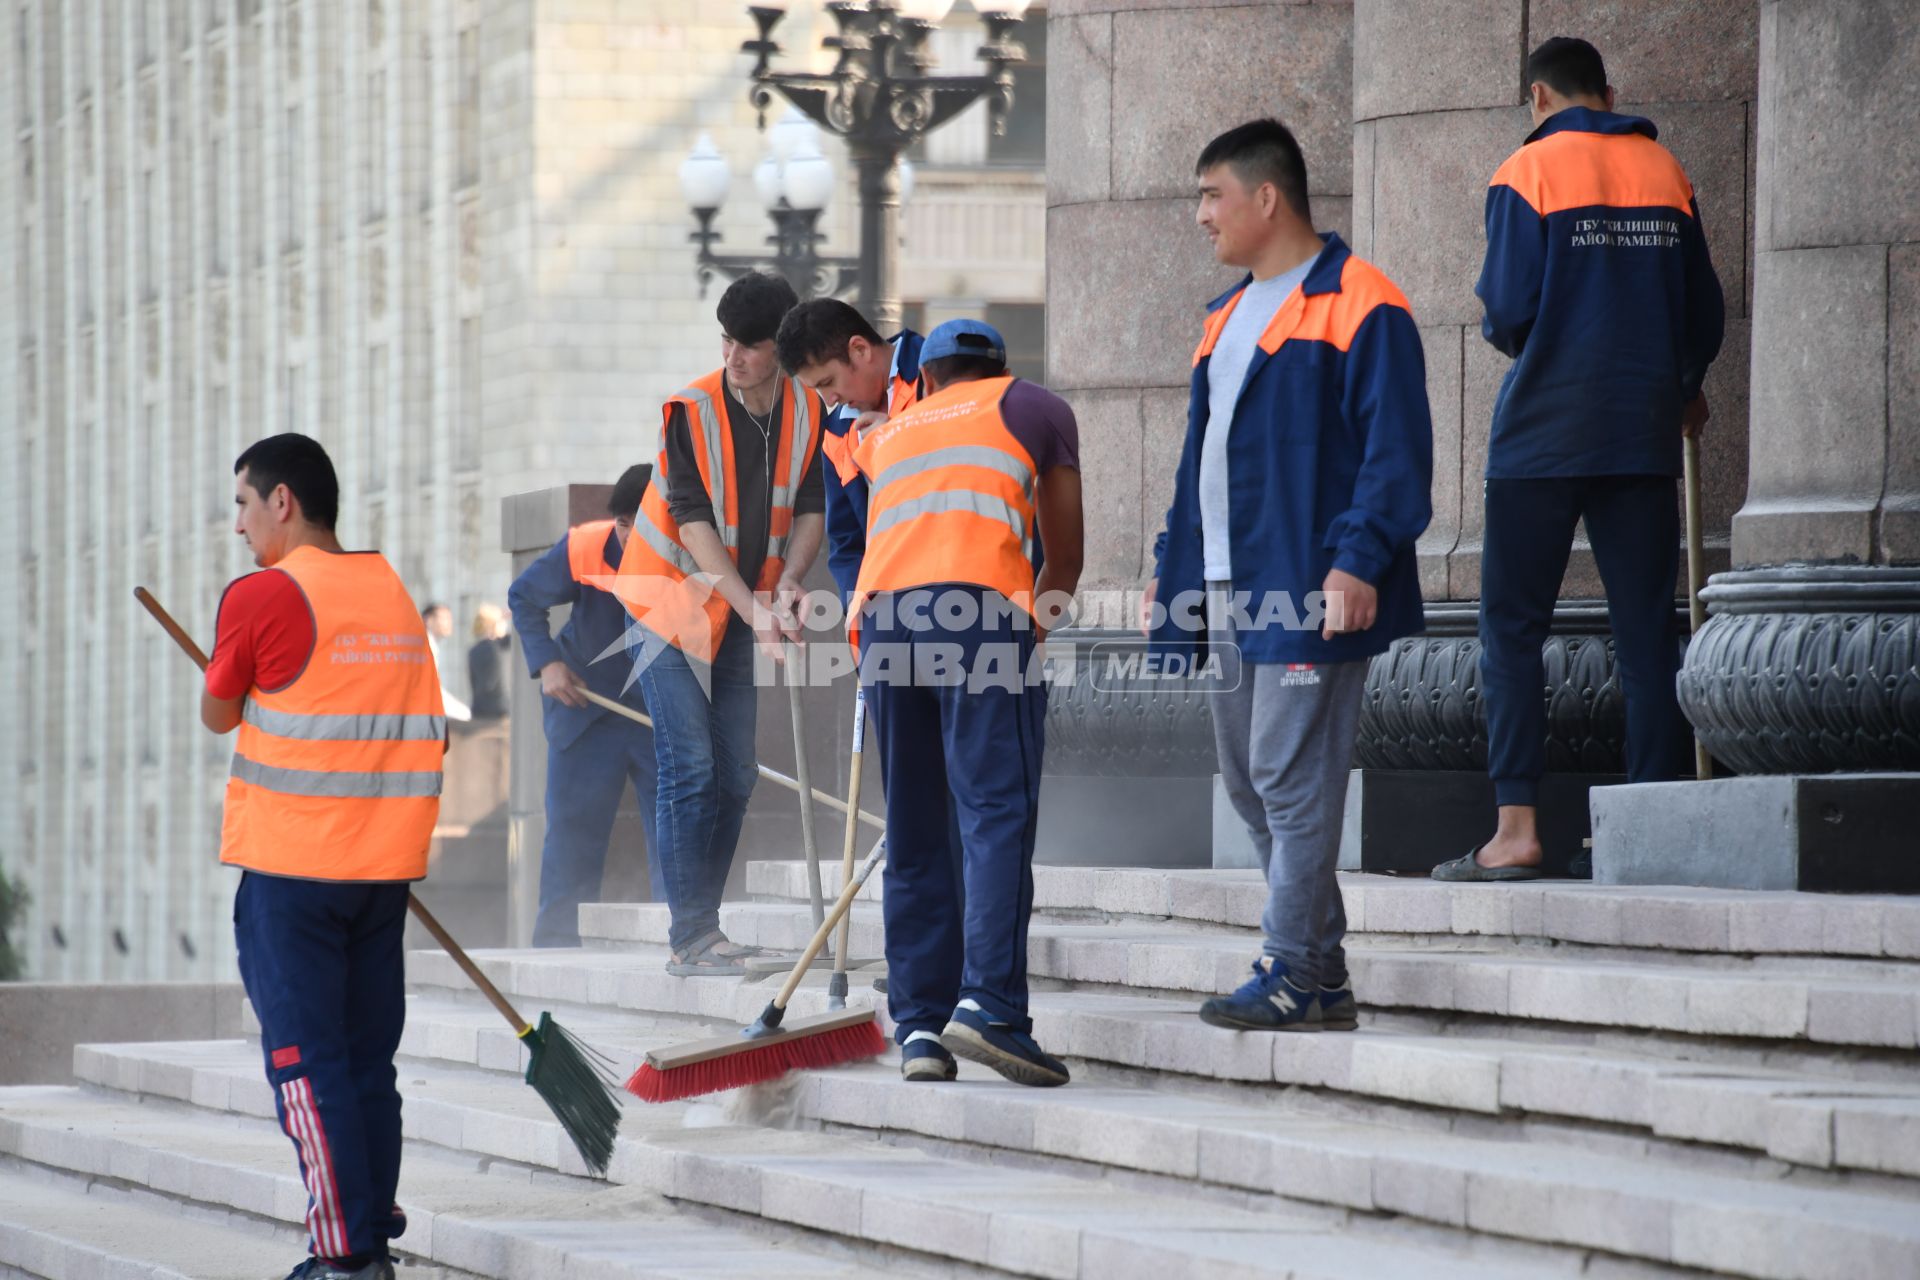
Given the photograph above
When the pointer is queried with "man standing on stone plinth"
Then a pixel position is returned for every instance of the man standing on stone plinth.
(1598, 284)
(1304, 481)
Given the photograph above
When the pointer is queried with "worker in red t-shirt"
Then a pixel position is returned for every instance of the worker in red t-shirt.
(321, 663)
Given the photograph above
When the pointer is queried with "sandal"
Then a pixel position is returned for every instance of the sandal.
(711, 956)
(1468, 869)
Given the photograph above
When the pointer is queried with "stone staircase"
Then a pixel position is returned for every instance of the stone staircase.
(1550, 1080)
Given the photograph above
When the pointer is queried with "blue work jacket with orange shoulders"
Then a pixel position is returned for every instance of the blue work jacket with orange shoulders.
(577, 570)
(1598, 283)
(846, 489)
(1329, 464)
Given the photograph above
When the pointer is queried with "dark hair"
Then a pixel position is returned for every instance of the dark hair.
(1569, 66)
(627, 490)
(818, 331)
(433, 607)
(752, 307)
(1262, 151)
(950, 369)
(299, 463)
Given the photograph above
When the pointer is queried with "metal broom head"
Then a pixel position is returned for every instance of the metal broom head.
(579, 1084)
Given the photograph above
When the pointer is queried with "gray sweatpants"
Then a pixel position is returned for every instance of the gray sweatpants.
(1285, 738)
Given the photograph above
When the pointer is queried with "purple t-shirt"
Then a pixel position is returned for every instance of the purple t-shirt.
(1044, 424)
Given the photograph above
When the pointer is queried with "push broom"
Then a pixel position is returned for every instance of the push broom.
(573, 1079)
(771, 1047)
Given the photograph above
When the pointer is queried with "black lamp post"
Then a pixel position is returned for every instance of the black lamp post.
(794, 182)
(880, 98)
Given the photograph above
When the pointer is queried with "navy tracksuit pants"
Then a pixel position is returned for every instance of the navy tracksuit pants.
(954, 933)
(585, 780)
(323, 965)
(1634, 527)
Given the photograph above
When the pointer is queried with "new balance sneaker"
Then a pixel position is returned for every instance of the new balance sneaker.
(923, 1057)
(1268, 1001)
(326, 1269)
(974, 1035)
(1338, 1012)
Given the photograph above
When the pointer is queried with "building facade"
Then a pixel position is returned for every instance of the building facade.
(444, 237)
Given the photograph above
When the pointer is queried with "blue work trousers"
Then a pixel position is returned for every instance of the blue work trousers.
(955, 932)
(585, 780)
(703, 743)
(323, 965)
(1634, 527)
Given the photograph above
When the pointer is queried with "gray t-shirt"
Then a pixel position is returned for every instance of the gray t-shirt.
(1226, 376)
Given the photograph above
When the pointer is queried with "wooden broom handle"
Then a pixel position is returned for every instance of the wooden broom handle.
(520, 1025)
(832, 802)
(840, 908)
(440, 935)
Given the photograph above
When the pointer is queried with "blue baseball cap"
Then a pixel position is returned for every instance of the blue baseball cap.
(964, 338)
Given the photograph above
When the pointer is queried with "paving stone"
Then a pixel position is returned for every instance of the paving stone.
(1401, 911)
(1579, 917)
(1426, 1074)
(1742, 1007)
(1678, 924)
(1882, 1016)
(1608, 997)
(1420, 1190)
(1878, 1135)
(1776, 923)
(1571, 1084)
(1800, 1131)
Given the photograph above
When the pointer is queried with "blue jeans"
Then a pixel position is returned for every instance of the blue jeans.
(704, 748)
(323, 964)
(585, 780)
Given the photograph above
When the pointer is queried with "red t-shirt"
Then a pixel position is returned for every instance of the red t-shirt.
(263, 638)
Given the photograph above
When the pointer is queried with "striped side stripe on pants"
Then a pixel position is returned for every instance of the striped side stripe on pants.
(325, 1223)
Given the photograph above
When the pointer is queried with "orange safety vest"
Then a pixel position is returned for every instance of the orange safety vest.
(337, 775)
(659, 582)
(587, 553)
(902, 395)
(952, 499)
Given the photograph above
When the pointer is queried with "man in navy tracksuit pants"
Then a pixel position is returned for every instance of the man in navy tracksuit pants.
(591, 752)
(1598, 284)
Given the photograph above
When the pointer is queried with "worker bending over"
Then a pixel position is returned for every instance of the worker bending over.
(943, 616)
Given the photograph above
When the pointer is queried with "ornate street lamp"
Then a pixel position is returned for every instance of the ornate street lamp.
(794, 183)
(880, 98)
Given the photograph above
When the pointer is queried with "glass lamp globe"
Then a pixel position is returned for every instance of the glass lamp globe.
(767, 183)
(788, 132)
(809, 183)
(926, 10)
(703, 175)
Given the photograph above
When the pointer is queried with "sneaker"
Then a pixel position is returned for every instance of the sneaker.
(1338, 1012)
(323, 1269)
(923, 1057)
(974, 1035)
(1268, 1001)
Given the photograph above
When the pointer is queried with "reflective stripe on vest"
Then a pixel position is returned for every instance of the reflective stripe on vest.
(659, 581)
(373, 727)
(980, 504)
(325, 782)
(337, 775)
(951, 501)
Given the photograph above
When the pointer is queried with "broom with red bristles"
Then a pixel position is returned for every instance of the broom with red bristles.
(771, 1047)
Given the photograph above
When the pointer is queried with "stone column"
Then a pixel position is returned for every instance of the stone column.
(1808, 665)
(1437, 105)
(1135, 90)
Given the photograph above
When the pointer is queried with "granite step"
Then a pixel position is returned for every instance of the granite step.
(1672, 918)
(474, 1216)
(1571, 1197)
(1850, 1003)
(1795, 1117)
(64, 1227)
(894, 1199)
